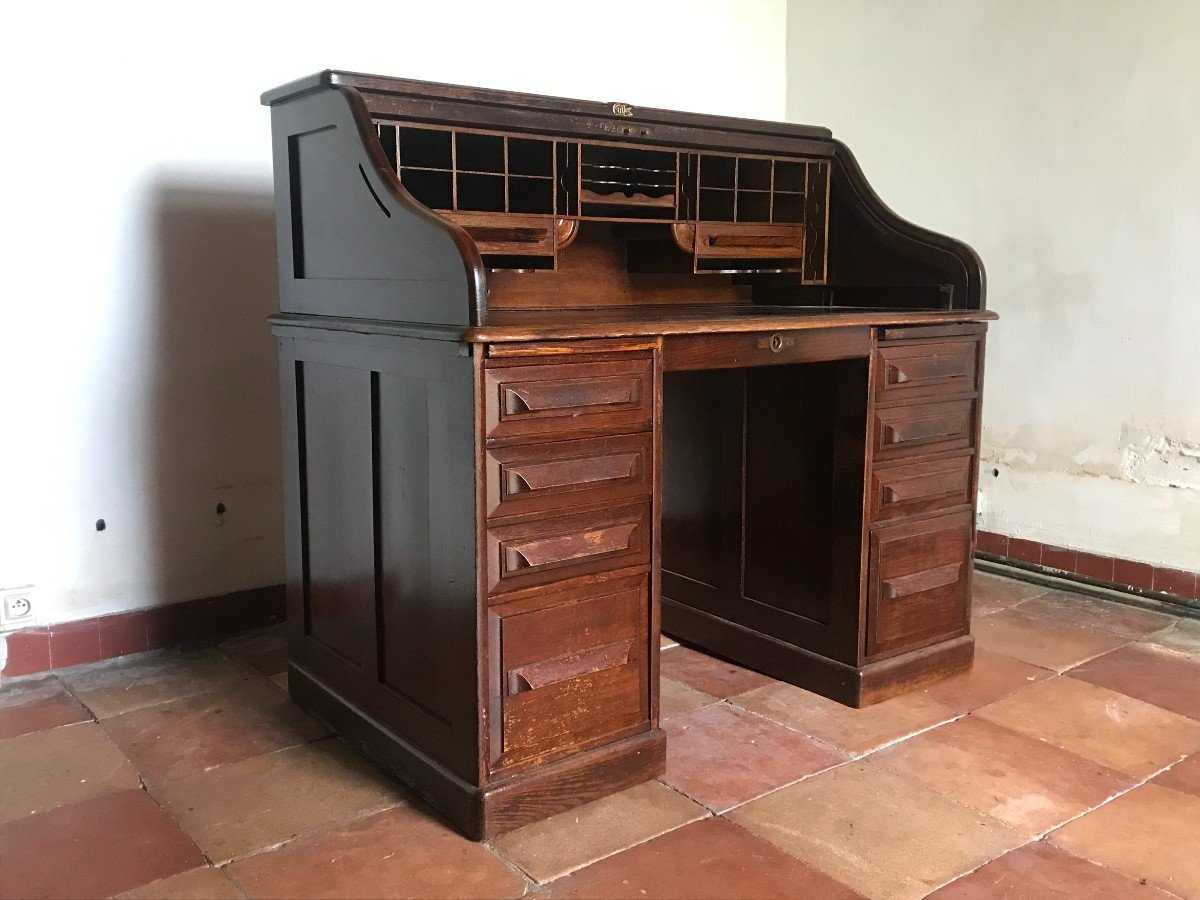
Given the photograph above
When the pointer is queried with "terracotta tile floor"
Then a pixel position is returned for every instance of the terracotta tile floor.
(1065, 764)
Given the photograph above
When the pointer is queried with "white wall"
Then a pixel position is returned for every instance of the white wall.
(137, 377)
(1061, 138)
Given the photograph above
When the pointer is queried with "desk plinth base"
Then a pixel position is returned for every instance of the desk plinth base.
(484, 812)
(855, 686)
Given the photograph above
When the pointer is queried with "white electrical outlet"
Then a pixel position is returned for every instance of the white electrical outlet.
(16, 607)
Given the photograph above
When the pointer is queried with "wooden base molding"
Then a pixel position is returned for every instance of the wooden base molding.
(43, 647)
(1105, 571)
(484, 812)
(856, 686)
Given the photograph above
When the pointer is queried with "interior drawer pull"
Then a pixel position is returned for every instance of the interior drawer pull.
(540, 476)
(501, 235)
(764, 239)
(894, 588)
(563, 548)
(537, 397)
(551, 671)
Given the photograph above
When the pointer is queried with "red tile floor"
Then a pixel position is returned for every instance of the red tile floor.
(1065, 764)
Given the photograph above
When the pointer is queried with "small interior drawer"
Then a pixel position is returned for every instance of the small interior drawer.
(565, 398)
(919, 579)
(924, 370)
(749, 241)
(529, 478)
(508, 234)
(571, 674)
(550, 549)
(923, 428)
(920, 487)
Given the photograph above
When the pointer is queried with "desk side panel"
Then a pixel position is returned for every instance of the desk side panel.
(351, 240)
(379, 474)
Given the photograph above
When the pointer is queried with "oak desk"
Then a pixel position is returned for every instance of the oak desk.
(554, 372)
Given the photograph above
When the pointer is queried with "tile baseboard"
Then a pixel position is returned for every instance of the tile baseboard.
(1091, 569)
(204, 620)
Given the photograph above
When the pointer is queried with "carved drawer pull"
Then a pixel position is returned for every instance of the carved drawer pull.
(500, 235)
(926, 487)
(547, 396)
(931, 369)
(894, 588)
(567, 472)
(547, 551)
(572, 665)
(922, 429)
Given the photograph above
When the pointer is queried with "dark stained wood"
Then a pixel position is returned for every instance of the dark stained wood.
(918, 587)
(574, 324)
(927, 370)
(923, 428)
(556, 373)
(571, 675)
(921, 487)
(765, 348)
(539, 478)
(545, 550)
(562, 400)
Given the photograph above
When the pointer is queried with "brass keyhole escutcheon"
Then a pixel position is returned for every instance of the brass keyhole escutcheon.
(776, 343)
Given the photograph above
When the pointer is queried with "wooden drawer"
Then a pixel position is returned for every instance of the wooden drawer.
(919, 579)
(920, 487)
(682, 352)
(569, 398)
(547, 476)
(571, 675)
(923, 428)
(550, 549)
(926, 370)
(722, 240)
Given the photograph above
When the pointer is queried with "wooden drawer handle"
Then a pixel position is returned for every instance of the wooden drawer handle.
(931, 369)
(894, 588)
(549, 396)
(563, 548)
(572, 665)
(520, 479)
(927, 487)
(765, 239)
(923, 429)
(500, 235)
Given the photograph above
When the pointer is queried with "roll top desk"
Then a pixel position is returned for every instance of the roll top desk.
(557, 374)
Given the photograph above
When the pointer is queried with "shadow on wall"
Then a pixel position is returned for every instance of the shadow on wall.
(211, 408)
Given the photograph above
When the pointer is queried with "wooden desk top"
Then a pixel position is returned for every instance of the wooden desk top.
(650, 321)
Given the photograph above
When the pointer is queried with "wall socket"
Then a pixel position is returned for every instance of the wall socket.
(16, 608)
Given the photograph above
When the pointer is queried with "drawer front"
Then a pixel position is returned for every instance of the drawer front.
(682, 352)
(550, 549)
(572, 674)
(919, 579)
(920, 487)
(749, 241)
(926, 370)
(552, 399)
(547, 476)
(923, 428)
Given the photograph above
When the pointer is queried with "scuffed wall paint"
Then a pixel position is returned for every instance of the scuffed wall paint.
(1061, 140)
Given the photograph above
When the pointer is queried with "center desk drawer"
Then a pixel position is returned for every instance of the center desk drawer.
(550, 549)
(563, 398)
(530, 478)
(572, 674)
(923, 428)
